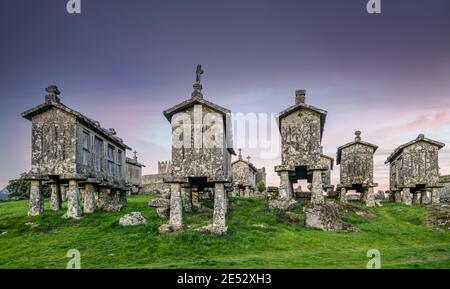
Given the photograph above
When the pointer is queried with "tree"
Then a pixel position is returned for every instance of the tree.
(19, 188)
(261, 187)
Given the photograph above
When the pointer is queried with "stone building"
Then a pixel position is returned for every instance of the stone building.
(356, 169)
(71, 149)
(134, 173)
(328, 162)
(154, 183)
(261, 177)
(301, 127)
(414, 171)
(201, 156)
(244, 177)
(444, 191)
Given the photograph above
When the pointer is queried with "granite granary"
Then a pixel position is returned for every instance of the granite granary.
(201, 157)
(134, 173)
(414, 171)
(71, 149)
(356, 169)
(301, 127)
(244, 177)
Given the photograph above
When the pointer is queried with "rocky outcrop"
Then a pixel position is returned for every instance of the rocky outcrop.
(133, 219)
(162, 206)
(326, 217)
(438, 215)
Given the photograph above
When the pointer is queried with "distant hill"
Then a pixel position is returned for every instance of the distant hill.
(4, 194)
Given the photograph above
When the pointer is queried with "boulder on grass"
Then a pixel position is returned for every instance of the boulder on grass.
(326, 217)
(156, 203)
(163, 212)
(132, 219)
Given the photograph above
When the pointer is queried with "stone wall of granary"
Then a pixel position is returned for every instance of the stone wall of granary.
(206, 161)
(326, 175)
(357, 165)
(243, 175)
(444, 192)
(97, 165)
(416, 165)
(134, 174)
(300, 133)
(53, 143)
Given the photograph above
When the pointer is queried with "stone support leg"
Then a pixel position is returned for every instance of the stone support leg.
(406, 196)
(416, 198)
(89, 199)
(103, 195)
(73, 200)
(285, 191)
(55, 197)
(343, 196)
(63, 193)
(220, 206)
(435, 199)
(317, 188)
(176, 206)
(426, 198)
(369, 197)
(247, 191)
(398, 196)
(36, 203)
(187, 197)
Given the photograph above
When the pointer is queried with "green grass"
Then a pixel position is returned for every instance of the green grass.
(397, 232)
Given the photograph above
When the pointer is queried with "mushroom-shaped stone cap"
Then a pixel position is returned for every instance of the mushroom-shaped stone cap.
(421, 136)
(53, 89)
(357, 135)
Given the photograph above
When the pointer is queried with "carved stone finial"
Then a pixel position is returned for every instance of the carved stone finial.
(248, 159)
(300, 96)
(197, 93)
(135, 155)
(112, 131)
(357, 135)
(421, 136)
(240, 154)
(52, 94)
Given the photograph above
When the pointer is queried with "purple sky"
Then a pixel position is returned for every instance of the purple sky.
(124, 62)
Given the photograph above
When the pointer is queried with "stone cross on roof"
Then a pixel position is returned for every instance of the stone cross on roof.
(248, 159)
(240, 154)
(197, 93)
(135, 155)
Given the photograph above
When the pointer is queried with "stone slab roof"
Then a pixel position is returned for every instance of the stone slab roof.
(419, 138)
(330, 158)
(247, 163)
(89, 121)
(134, 162)
(299, 106)
(339, 150)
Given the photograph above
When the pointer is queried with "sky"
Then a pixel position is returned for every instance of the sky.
(124, 62)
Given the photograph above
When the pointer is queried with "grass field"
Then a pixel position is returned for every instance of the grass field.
(256, 239)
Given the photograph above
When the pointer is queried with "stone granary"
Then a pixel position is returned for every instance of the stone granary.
(154, 183)
(201, 156)
(244, 177)
(356, 169)
(414, 171)
(261, 176)
(301, 127)
(71, 149)
(328, 162)
(134, 173)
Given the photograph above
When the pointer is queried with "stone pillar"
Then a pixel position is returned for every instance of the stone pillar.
(369, 197)
(73, 200)
(176, 206)
(63, 189)
(220, 206)
(187, 197)
(247, 191)
(285, 191)
(435, 199)
(195, 200)
(36, 203)
(406, 196)
(55, 197)
(343, 196)
(426, 197)
(89, 199)
(103, 195)
(416, 198)
(398, 196)
(316, 188)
